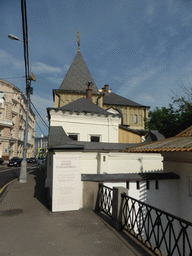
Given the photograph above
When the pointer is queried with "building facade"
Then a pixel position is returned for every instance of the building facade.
(12, 122)
(41, 142)
(74, 85)
(82, 120)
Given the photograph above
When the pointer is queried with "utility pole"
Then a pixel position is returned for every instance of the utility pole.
(29, 90)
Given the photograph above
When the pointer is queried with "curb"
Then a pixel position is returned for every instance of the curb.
(4, 188)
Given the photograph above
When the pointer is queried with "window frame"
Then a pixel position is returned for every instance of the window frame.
(96, 136)
(73, 134)
(135, 119)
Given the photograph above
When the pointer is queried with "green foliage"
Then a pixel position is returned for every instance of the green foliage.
(171, 121)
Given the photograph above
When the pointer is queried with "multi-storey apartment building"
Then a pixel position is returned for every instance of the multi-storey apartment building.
(12, 122)
(41, 142)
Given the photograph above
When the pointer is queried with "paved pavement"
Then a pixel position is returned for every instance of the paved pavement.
(28, 228)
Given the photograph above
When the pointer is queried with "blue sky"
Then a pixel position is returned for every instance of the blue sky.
(142, 49)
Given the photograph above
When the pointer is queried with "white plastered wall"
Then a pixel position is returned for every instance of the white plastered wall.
(87, 124)
(181, 164)
(111, 163)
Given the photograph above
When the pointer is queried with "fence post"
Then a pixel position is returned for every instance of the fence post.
(117, 204)
(97, 205)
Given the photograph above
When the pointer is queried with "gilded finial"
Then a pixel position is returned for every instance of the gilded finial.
(78, 41)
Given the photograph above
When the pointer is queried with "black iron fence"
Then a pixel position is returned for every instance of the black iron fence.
(159, 231)
(105, 199)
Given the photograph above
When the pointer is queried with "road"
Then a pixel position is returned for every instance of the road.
(8, 174)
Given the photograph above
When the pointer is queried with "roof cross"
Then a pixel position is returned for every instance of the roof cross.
(78, 41)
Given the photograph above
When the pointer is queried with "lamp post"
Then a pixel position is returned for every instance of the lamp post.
(29, 90)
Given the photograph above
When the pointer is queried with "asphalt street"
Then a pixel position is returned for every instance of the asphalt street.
(8, 174)
(28, 228)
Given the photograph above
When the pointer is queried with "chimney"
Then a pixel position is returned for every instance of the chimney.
(106, 89)
(89, 91)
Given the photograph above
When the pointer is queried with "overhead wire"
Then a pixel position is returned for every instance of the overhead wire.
(40, 128)
(13, 77)
(45, 126)
(39, 114)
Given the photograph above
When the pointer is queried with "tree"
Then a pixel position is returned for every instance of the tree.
(172, 120)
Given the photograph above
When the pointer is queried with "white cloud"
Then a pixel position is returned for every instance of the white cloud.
(150, 10)
(37, 67)
(41, 102)
(66, 66)
(55, 80)
(40, 67)
(144, 97)
(102, 73)
(117, 78)
(139, 77)
(187, 20)
(8, 59)
(171, 31)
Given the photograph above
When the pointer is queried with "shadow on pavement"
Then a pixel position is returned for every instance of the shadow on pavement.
(40, 193)
(138, 248)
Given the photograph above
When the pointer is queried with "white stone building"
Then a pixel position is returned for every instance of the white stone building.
(173, 196)
(83, 120)
(68, 162)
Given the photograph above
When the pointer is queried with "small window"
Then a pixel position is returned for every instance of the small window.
(95, 138)
(73, 137)
(135, 119)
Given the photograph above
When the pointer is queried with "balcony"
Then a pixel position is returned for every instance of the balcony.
(6, 123)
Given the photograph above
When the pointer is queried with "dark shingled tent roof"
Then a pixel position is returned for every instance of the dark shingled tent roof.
(77, 76)
(115, 99)
(84, 105)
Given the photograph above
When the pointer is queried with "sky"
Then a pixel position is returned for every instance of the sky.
(141, 48)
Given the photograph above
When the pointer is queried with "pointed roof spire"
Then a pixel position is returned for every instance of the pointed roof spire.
(78, 41)
(77, 76)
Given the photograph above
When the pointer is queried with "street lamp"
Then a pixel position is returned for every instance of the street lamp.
(29, 90)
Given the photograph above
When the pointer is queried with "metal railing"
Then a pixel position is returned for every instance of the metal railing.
(159, 231)
(105, 199)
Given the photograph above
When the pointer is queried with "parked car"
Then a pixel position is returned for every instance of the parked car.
(14, 161)
(32, 160)
(1, 161)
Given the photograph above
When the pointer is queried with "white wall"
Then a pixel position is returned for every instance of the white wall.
(93, 163)
(86, 124)
(173, 196)
(181, 164)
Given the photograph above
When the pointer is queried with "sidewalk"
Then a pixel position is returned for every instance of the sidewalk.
(28, 228)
